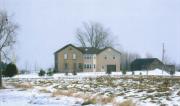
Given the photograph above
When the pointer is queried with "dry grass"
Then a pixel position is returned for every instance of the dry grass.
(63, 92)
(128, 102)
(44, 90)
(104, 99)
(82, 95)
(88, 102)
(88, 97)
(24, 85)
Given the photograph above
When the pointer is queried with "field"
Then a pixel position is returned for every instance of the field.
(93, 90)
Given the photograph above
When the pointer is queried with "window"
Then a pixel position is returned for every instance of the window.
(84, 65)
(87, 65)
(65, 66)
(90, 66)
(102, 67)
(65, 56)
(74, 56)
(94, 66)
(114, 57)
(80, 66)
(105, 57)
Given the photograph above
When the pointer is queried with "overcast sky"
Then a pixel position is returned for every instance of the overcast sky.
(141, 26)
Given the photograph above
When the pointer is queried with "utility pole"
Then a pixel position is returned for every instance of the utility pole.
(163, 54)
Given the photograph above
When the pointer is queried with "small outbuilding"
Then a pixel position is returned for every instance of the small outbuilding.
(146, 64)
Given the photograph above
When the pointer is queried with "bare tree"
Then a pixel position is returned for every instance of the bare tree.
(127, 58)
(7, 37)
(94, 35)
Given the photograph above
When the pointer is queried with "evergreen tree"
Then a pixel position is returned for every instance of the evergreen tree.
(11, 70)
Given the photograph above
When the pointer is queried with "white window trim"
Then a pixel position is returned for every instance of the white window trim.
(65, 56)
(74, 56)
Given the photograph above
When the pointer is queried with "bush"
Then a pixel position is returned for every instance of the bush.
(66, 73)
(55, 70)
(132, 72)
(124, 72)
(11, 70)
(108, 72)
(172, 72)
(50, 72)
(140, 73)
(42, 72)
(74, 72)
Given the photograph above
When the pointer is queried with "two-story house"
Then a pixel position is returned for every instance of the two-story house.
(86, 59)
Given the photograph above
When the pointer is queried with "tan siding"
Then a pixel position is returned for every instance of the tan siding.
(109, 53)
(70, 61)
(99, 61)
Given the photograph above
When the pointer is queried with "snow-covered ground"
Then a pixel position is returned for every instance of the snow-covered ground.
(18, 97)
(156, 72)
(92, 88)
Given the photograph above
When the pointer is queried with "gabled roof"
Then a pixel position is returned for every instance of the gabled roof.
(110, 48)
(144, 61)
(87, 50)
(66, 47)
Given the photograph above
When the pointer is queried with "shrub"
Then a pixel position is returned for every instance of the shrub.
(172, 72)
(124, 72)
(50, 72)
(42, 72)
(140, 73)
(108, 72)
(55, 70)
(74, 72)
(66, 73)
(11, 70)
(132, 72)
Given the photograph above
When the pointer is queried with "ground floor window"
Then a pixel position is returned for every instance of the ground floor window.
(65, 65)
(89, 66)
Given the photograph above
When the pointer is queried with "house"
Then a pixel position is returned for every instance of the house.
(86, 59)
(146, 64)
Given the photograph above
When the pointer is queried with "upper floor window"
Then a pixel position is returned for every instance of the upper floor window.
(65, 56)
(114, 57)
(88, 57)
(105, 57)
(74, 56)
